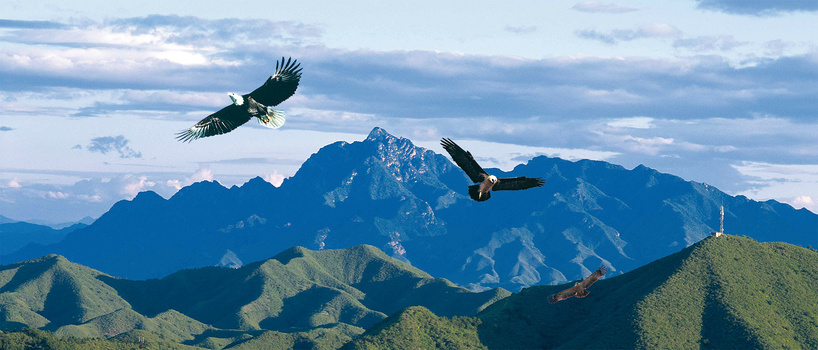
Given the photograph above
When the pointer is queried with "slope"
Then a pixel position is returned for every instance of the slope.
(16, 235)
(38, 339)
(418, 328)
(726, 292)
(300, 296)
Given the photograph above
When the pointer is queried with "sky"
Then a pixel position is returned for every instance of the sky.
(716, 91)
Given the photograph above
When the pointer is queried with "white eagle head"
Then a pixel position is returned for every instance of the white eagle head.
(493, 179)
(237, 99)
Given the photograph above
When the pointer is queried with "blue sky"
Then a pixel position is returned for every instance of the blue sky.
(715, 91)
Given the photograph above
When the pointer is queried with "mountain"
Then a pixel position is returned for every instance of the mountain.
(17, 234)
(418, 328)
(36, 339)
(723, 292)
(412, 203)
(299, 296)
(60, 225)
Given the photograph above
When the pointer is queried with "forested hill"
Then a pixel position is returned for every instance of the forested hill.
(725, 293)
(322, 298)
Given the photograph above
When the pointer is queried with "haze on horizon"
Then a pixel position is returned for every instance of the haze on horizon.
(715, 91)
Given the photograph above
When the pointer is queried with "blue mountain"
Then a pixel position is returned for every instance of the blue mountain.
(412, 203)
(17, 234)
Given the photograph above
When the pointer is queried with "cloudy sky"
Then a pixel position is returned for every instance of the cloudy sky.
(715, 91)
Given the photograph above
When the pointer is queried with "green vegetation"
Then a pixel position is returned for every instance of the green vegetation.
(36, 339)
(740, 293)
(725, 292)
(300, 297)
(418, 328)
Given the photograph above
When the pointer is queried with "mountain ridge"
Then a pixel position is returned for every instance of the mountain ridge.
(411, 203)
(299, 291)
(722, 292)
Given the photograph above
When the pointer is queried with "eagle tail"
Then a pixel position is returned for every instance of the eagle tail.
(474, 193)
(273, 119)
(552, 299)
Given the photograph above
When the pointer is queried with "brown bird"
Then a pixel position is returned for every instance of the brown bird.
(579, 288)
(279, 87)
(482, 191)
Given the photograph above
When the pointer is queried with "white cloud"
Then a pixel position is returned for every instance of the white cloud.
(94, 198)
(113, 143)
(123, 49)
(651, 146)
(174, 183)
(725, 149)
(140, 184)
(594, 6)
(202, 174)
(14, 183)
(795, 184)
(275, 178)
(566, 105)
(803, 202)
(651, 30)
(57, 195)
(709, 43)
(632, 122)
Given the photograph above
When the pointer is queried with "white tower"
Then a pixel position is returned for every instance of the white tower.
(721, 224)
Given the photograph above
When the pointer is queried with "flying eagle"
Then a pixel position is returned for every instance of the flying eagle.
(482, 192)
(579, 288)
(279, 87)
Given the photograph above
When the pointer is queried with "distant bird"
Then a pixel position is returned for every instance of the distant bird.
(279, 87)
(482, 192)
(579, 288)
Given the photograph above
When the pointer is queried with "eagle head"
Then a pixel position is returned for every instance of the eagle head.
(493, 179)
(237, 99)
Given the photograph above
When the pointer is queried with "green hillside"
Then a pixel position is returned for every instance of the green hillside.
(38, 339)
(51, 291)
(418, 328)
(299, 297)
(725, 292)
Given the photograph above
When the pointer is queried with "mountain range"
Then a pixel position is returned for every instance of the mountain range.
(322, 298)
(723, 292)
(413, 204)
(17, 234)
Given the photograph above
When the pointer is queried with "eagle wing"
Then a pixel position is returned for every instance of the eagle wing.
(464, 160)
(518, 183)
(223, 121)
(588, 281)
(565, 294)
(281, 85)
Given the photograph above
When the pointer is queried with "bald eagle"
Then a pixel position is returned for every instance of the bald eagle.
(579, 288)
(279, 87)
(482, 191)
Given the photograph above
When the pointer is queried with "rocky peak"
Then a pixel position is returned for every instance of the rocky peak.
(380, 135)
